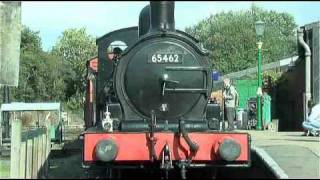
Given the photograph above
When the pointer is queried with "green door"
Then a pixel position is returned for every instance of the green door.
(246, 89)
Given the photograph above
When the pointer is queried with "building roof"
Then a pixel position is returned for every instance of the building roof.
(113, 32)
(253, 70)
(17, 106)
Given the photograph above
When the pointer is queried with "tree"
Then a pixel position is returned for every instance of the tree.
(75, 47)
(231, 40)
(57, 75)
(30, 40)
(37, 68)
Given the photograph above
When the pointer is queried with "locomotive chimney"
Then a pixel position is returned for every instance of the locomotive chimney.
(144, 20)
(162, 15)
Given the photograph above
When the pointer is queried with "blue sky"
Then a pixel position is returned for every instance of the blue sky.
(98, 17)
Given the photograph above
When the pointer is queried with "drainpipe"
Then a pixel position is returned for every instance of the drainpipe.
(307, 95)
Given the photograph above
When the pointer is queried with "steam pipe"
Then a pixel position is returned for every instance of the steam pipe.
(162, 15)
(193, 146)
(307, 95)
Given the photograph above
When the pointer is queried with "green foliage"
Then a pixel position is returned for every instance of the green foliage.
(40, 72)
(273, 76)
(30, 40)
(231, 39)
(229, 36)
(56, 75)
(75, 47)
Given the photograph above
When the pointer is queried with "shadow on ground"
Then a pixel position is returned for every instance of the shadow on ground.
(66, 163)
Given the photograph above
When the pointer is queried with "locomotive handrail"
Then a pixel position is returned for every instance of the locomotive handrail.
(188, 90)
(183, 68)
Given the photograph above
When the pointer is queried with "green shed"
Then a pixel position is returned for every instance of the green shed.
(246, 89)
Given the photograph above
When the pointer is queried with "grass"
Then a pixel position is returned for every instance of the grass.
(4, 170)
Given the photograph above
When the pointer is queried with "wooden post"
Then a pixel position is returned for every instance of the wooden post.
(29, 158)
(39, 137)
(35, 158)
(10, 38)
(30, 152)
(48, 149)
(1, 6)
(15, 148)
(1, 22)
(23, 160)
(44, 149)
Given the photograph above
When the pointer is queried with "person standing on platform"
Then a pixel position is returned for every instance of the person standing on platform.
(266, 111)
(230, 98)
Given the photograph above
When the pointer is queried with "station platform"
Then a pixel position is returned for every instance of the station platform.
(289, 154)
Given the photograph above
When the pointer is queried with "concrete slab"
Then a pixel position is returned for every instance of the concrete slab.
(298, 156)
(295, 161)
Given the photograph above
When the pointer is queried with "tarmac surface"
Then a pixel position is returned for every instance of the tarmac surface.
(297, 156)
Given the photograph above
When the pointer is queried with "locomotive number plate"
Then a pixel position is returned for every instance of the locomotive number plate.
(165, 58)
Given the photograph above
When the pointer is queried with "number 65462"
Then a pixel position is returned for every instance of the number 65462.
(165, 58)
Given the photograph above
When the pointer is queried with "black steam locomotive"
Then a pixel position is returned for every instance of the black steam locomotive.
(148, 104)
